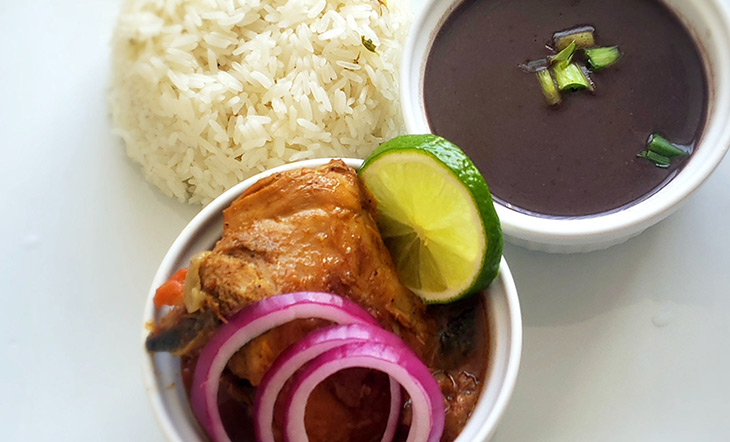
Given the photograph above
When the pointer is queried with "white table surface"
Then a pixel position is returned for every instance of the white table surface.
(627, 344)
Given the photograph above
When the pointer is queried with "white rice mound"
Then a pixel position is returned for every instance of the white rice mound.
(206, 93)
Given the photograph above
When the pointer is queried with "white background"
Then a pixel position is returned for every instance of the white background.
(627, 344)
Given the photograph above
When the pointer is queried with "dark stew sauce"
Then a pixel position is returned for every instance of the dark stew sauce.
(577, 158)
(458, 361)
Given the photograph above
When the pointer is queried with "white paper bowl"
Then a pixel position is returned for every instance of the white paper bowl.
(709, 23)
(162, 371)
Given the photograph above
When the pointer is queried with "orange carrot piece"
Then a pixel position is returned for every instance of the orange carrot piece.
(171, 292)
(180, 276)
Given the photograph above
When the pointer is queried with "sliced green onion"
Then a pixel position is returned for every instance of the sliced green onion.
(660, 151)
(547, 84)
(659, 160)
(369, 45)
(582, 37)
(662, 146)
(586, 73)
(565, 56)
(570, 77)
(599, 58)
(561, 69)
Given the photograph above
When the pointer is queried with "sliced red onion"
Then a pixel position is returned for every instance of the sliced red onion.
(313, 345)
(246, 325)
(398, 361)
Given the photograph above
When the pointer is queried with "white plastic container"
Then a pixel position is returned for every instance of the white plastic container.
(162, 371)
(708, 21)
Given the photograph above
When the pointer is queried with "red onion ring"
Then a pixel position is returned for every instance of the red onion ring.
(249, 323)
(299, 354)
(398, 361)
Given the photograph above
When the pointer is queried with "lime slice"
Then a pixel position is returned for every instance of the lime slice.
(436, 216)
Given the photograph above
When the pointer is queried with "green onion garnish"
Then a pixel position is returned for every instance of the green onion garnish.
(662, 146)
(582, 37)
(599, 58)
(570, 77)
(586, 73)
(369, 45)
(549, 90)
(560, 69)
(659, 160)
(661, 151)
(565, 56)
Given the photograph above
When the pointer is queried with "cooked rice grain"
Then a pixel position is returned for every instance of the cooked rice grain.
(206, 93)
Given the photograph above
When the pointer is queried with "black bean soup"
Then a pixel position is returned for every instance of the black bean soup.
(577, 158)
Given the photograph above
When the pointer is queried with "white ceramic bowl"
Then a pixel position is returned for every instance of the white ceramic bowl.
(709, 23)
(162, 371)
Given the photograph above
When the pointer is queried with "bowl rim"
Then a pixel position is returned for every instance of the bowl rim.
(714, 141)
(202, 222)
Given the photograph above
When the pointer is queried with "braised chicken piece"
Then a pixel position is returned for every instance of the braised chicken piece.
(302, 230)
(313, 230)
